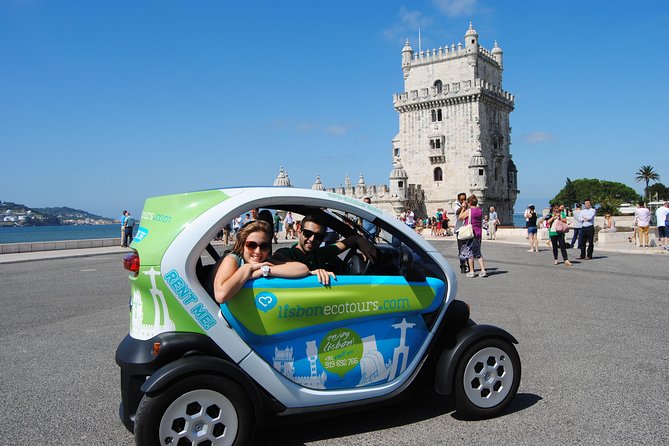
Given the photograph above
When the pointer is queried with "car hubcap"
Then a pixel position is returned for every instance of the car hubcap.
(199, 418)
(488, 377)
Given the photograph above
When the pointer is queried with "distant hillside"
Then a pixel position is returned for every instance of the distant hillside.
(22, 215)
(65, 213)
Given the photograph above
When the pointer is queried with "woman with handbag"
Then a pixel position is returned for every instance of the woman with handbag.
(557, 224)
(471, 233)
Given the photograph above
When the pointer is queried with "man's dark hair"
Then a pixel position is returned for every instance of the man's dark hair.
(461, 194)
(314, 219)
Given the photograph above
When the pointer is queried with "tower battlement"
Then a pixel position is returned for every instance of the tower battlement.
(431, 96)
(445, 53)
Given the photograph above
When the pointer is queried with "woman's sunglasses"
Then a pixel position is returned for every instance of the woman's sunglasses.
(264, 246)
(318, 236)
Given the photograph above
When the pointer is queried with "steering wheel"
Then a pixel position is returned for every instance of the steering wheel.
(355, 264)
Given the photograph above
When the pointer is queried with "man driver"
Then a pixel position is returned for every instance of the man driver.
(307, 250)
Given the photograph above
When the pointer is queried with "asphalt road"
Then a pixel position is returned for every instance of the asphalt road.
(593, 344)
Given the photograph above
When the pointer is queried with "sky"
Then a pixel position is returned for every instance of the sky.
(106, 103)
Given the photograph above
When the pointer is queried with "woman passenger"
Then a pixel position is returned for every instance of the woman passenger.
(248, 256)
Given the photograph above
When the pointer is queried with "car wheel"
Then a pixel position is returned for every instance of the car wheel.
(487, 378)
(197, 410)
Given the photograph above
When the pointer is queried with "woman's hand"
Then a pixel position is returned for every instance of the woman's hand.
(323, 275)
(254, 269)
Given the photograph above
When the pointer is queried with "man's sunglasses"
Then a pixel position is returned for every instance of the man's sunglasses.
(264, 246)
(318, 236)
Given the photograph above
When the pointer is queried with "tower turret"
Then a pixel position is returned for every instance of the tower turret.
(407, 57)
(471, 39)
(478, 173)
(497, 54)
(398, 185)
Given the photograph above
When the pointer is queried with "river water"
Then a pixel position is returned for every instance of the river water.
(55, 233)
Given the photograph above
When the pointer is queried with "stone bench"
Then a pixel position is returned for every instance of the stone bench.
(614, 237)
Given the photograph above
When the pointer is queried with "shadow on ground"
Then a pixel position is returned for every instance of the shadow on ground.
(297, 431)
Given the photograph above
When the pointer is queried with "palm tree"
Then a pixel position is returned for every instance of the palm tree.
(646, 173)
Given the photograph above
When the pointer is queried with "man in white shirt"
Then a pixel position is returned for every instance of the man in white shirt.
(661, 217)
(642, 220)
(587, 235)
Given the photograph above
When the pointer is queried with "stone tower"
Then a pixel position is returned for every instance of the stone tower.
(454, 133)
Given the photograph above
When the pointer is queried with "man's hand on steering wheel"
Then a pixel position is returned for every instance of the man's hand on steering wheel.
(367, 250)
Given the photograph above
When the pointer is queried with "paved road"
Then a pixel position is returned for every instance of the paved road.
(592, 342)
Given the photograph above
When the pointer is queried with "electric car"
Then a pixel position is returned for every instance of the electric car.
(194, 372)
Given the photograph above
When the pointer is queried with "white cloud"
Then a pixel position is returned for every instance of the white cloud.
(453, 8)
(407, 25)
(538, 137)
(336, 129)
(305, 126)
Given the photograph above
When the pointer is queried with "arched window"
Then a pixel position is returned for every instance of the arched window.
(438, 174)
(438, 86)
(439, 114)
(396, 151)
(434, 116)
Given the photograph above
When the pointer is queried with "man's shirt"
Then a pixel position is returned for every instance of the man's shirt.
(315, 260)
(588, 217)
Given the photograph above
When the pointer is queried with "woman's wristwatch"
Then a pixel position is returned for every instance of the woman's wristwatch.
(265, 270)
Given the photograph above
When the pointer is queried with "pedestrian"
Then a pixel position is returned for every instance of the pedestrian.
(289, 221)
(492, 223)
(461, 199)
(236, 226)
(553, 219)
(642, 220)
(576, 225)
(125, 215)
(128, 226)
(409, 218)
(531, 224)
(277, 226)
(444, 224)
(486, 226)
(226, 233)
(609, 224)
(471, 248)
(662, 218)
(587, 235)
(369, 226)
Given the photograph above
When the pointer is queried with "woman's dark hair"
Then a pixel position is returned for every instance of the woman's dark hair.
(254, 226)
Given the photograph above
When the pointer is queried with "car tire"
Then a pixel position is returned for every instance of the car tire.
(200, 409)
(486, 379)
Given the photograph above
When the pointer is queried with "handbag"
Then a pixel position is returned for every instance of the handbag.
(561, 227)
(465, 232)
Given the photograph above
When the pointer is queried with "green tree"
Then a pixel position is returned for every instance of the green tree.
(569, 194)
(601, 192)
(646, 174)
(658, 191)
